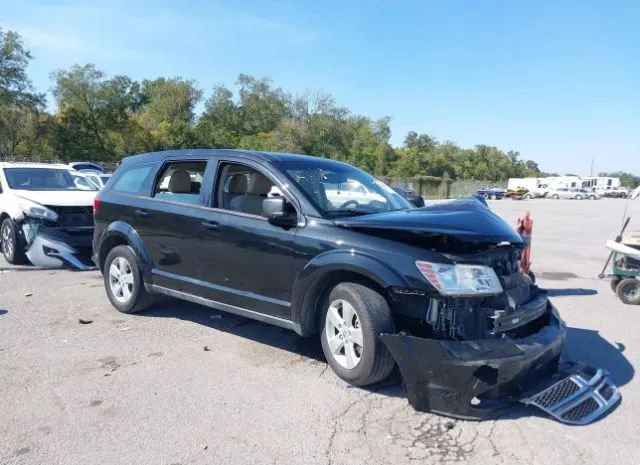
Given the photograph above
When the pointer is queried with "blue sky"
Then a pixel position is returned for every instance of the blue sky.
(558, 81)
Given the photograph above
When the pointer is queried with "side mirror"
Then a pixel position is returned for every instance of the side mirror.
(276, 212)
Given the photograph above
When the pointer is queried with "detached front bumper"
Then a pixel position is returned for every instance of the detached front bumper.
(477, 379)
(52, 247)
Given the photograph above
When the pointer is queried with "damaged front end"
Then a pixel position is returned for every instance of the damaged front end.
(63, 239)
(482, 337)
(475, 357)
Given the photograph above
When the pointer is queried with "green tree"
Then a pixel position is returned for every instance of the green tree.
(21, 107)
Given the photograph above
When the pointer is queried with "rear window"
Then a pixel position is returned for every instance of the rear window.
(131, 181)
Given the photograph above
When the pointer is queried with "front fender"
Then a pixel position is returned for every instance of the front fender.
(312, 278)
(118, 232)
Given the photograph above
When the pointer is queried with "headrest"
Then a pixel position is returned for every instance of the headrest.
(180, 182)
(260, 185)
(238, 184)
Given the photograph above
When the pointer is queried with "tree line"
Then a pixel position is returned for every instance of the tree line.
(103, 118)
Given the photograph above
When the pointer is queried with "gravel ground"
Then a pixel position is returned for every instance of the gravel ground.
(142, 388)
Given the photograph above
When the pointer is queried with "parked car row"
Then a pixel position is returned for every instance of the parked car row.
(523, 193)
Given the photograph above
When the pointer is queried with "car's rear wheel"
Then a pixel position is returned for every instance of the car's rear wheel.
(578, 197)
(11, 243)
(528, 196)
(555, 196)
(628, 291)
(352, 320)
(123, 281)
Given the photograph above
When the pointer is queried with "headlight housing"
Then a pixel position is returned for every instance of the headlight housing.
(37, 211)
(460, 280)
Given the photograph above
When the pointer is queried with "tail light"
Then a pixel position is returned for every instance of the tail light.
(96, 205)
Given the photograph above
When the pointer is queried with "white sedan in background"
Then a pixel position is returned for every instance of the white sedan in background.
(568, 193)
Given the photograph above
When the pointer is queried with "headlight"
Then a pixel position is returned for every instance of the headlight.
(37, 211)
(461, 280)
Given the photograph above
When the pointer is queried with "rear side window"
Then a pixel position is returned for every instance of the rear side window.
(181, 182)
(131, 181)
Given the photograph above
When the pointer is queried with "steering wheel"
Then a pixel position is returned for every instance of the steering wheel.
(350, 204)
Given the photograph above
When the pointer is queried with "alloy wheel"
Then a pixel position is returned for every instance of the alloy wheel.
(7, 240)
(121, 279)
(344, 334)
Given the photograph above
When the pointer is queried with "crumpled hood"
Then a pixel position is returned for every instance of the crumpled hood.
(59, 198)
(468, 219)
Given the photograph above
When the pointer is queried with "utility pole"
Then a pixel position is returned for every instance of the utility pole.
(591, 168)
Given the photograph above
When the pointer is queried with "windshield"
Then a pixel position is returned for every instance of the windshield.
(338, 189)
(46, 179)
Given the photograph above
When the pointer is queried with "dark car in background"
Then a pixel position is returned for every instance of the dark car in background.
(410, 195)
(491, 193)
(322, 248)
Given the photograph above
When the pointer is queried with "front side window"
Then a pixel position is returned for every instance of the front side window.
(45, 179)
(181, 182)
(338, 189)
(243, 189)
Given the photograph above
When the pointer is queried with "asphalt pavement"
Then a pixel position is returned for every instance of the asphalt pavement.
(184, 384)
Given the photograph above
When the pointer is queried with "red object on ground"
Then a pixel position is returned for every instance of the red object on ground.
(524, 227)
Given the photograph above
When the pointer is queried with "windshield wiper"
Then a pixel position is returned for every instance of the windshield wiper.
(349, 211)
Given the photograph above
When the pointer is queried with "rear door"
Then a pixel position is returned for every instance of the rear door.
(169, 223)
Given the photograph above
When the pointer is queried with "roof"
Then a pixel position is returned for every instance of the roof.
(189, 153)
(28, 164)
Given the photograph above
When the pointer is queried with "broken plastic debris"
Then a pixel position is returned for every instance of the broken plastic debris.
(126, 328)
(28, 294)
(206, 348)
(84, 322)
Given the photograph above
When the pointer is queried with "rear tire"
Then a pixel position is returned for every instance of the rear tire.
(11, 243)
(353, 317)
(628, 291)
(528, 196)
(123, 281)
(555, 196)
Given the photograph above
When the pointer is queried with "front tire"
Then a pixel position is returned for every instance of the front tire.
(11, 243)
(353, 317)
(628, 291)
(123, 281)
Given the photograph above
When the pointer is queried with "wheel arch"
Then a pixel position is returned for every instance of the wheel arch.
(327, 270)
(120, 233)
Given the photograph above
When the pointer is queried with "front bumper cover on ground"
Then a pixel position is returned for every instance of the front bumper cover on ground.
(55, 247)
(482, 379)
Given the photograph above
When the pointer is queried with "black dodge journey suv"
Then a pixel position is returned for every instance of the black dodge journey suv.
(320, 247)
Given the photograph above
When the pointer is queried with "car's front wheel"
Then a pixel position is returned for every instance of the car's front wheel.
(123, 281)
(352, 320)
(11, 243)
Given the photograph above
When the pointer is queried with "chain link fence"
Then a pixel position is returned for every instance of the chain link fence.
(469, 187)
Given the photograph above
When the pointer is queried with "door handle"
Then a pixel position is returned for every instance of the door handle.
(210, 225)
(141, 213)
